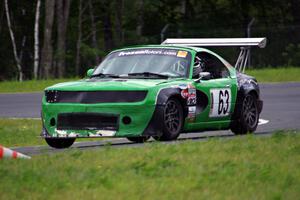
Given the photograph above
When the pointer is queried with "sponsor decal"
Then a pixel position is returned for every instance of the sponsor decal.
(191, 100)
(192, 114)
(189, 93)
(192, 109)
(185, 93)
(182, 54)
(149, 52)
(182, 86)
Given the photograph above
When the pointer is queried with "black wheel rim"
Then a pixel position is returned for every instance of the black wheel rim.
(250, 112)
(172, 117)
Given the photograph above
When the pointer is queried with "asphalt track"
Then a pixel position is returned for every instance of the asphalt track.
(281, 110)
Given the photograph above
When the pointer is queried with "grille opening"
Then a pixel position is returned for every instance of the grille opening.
(87, 121)
(90, 97)
(126, 120)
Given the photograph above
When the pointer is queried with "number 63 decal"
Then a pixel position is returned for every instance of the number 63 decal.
(220, 102)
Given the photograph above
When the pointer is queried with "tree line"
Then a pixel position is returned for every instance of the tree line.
(42, 39)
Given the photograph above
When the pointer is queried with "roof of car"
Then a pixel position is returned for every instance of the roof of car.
(196, 49)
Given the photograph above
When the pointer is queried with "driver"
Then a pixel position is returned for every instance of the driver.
(199, 66)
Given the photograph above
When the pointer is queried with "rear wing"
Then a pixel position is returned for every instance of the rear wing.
(244, 43)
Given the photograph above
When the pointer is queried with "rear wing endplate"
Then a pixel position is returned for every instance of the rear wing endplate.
(244, 43)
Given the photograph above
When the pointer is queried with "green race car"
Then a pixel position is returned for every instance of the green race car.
(153, 90)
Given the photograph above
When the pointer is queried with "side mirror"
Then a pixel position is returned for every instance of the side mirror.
(203, 76)
(89, 72)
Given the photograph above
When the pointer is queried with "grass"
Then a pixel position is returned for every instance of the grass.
(240, 168)
(289, 74)
(270, 75)
(20, 132)
(29, 85)
(25, 132)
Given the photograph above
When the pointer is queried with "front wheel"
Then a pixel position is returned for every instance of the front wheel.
(248, 116)
(173, 120)
(60, 143)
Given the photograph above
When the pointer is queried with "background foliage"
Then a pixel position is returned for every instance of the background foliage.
(119, 23)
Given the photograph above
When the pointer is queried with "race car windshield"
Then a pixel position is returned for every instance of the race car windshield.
(146, 63)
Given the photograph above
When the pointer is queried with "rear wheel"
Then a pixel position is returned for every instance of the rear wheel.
(173, 121)
(247, 118)
(60, 143)
(139, 139)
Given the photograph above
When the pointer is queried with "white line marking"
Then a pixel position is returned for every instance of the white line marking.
(262, 121)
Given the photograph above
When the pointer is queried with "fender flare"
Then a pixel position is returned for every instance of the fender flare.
(155, 126)
(246, 85)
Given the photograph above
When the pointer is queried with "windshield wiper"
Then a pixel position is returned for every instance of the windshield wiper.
(105, 75)
(148, 74)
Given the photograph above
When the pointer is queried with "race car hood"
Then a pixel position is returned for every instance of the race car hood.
(109, 84)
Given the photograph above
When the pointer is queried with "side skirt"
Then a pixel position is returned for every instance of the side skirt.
(207, 126)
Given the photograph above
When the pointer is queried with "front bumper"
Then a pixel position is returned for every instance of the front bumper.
(139, 113)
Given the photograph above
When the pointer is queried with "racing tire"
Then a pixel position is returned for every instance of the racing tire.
(60, 143)
(138, 139)
(247, 116)
(172, 121)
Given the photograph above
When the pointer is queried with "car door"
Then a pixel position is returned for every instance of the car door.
(220, 90)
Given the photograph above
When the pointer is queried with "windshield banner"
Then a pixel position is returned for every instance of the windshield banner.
(167, 52)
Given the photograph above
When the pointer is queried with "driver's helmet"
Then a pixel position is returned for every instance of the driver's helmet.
(199, 66)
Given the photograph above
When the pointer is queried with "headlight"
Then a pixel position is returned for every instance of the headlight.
(51, 96)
